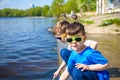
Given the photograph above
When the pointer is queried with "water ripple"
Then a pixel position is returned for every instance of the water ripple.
(27, 49)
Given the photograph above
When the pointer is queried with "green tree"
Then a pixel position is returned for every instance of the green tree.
(7, 12)
(86, 5)
(37, 11)
(70, 5)
(57, 6)
(17, 13)
(45, 11)
(0, 13)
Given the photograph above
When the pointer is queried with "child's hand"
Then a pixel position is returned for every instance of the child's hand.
(83, 66)
(55, 75)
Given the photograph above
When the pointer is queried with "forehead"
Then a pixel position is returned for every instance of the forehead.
(79, 34)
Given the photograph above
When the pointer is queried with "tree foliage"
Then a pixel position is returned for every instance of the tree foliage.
(57, 8)
(86, 5)
(71, 5)
(46, 11)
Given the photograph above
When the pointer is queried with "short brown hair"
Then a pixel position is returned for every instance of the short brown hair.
(74, 28)
(60, 27)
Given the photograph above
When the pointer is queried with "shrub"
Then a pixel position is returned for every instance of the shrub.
(110, 21)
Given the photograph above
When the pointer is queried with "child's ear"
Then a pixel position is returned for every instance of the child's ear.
(84, 37)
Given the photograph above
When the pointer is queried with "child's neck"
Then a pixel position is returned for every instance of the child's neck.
(82, 48)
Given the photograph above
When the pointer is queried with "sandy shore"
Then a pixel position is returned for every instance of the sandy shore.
(94, 28)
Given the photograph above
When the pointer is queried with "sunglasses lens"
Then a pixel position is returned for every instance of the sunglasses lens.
(69, 39)
(78, 39)
(59, 38)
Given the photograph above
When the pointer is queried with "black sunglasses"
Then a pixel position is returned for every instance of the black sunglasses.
(59, 38)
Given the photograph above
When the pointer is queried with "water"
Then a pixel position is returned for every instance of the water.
(27, 49)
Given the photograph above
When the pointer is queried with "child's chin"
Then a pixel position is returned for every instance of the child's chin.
(74, 48)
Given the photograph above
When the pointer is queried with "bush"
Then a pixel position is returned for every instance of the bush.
(110, 21)
(116, 30)
(86, 21)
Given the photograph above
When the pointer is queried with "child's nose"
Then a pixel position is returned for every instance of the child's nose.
(73, 41)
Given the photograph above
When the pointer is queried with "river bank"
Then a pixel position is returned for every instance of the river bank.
(97, 19)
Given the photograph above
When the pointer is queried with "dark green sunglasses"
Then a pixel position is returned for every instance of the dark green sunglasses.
(75, 38)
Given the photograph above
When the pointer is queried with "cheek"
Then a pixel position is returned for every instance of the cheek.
(81, 43)
(69, 44)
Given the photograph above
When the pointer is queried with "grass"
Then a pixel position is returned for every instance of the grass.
(86, 21)
(110, 21)
(117, 30)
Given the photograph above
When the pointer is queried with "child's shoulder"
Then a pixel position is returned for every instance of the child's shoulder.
(91, 51)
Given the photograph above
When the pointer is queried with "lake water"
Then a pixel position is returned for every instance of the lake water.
(27, 49)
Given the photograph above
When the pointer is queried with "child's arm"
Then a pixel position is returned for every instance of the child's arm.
(95, 67)
(93, 44)
(64, 75)
(98, 62)
(99, 67)
(59, 69)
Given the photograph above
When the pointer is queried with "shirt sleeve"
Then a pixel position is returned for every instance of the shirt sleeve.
(71, 62)
(97, 58)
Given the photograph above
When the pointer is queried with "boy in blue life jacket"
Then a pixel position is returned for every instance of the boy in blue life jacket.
(84, 62)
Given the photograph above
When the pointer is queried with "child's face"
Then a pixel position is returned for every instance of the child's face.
(76, 42)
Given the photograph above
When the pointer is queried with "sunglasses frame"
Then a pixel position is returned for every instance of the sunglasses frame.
(74, 39)
(63, 35)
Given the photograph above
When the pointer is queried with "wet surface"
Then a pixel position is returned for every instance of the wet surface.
(27, 49)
